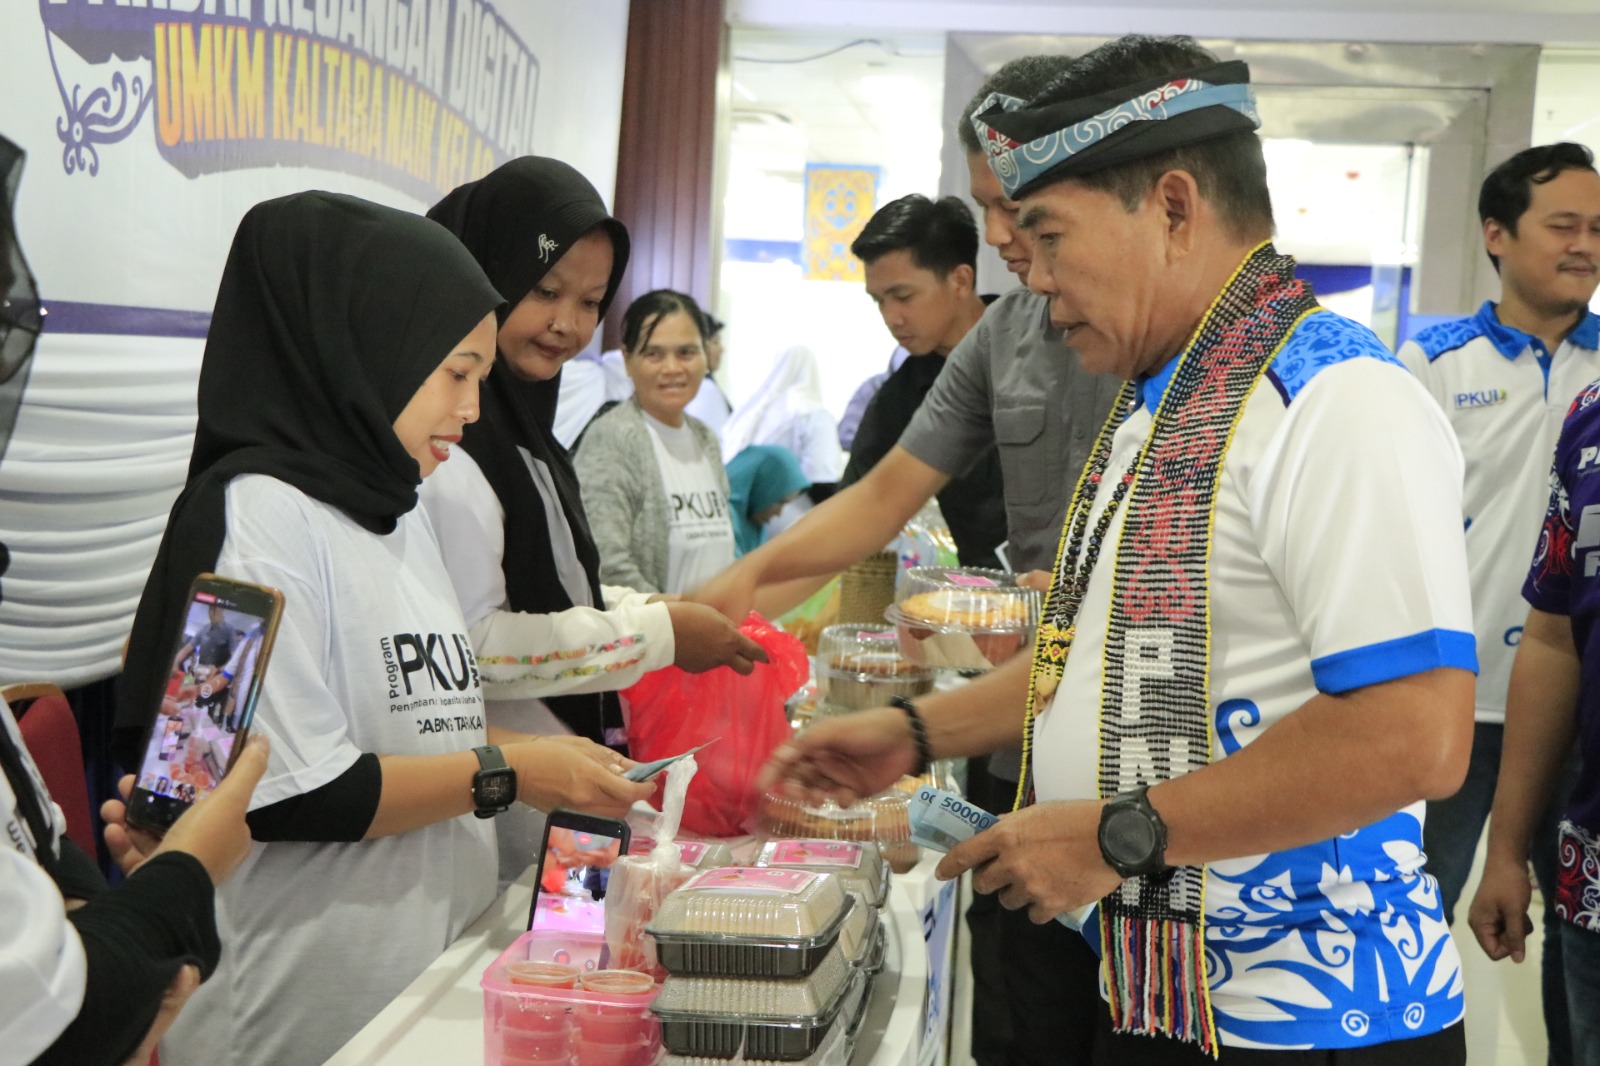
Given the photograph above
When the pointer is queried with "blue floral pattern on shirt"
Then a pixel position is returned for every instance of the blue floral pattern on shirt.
(1323, 340)
(1349, 933)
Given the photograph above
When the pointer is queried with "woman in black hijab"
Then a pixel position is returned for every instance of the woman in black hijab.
(511, 521)
(343, 360)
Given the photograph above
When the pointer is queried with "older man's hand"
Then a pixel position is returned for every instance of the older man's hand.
(1045, 857)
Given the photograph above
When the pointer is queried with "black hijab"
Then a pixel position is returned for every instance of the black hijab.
(518, 221)
(331, 313)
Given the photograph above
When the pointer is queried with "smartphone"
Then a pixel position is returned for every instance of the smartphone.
(575, 860)
(217, 661)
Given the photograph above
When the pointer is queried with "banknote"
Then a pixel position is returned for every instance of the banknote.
(940, 820)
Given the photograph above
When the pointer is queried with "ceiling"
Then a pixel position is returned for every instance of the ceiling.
(1550, 22)
(814, 96)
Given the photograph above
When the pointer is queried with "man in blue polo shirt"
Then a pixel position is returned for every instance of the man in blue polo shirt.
(1504, 377)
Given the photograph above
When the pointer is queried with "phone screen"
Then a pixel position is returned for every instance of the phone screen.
(574, 871)
(210, 697)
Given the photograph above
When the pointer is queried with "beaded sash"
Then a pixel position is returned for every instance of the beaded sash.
(1155, 721)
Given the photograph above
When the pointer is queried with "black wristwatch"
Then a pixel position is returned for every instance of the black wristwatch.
(1133, 838)
(494, 786)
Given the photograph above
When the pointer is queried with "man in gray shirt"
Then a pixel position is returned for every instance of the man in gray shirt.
(1010, 382)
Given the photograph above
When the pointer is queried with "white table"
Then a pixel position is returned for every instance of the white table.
(439, 1018)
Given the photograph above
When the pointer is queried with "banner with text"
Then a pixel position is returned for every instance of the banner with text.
(151, 126)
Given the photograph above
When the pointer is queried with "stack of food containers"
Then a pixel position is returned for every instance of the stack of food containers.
(547, 1002)
(766, 964)
(861, 868)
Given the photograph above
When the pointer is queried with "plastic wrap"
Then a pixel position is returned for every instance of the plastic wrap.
(639, 883)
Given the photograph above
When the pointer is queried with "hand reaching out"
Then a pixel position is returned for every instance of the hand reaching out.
(846, 758)
(705, 640)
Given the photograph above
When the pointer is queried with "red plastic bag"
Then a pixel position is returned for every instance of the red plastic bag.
(670, 711)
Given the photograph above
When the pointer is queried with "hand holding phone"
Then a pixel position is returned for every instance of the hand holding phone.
(204, 716)
(213, 830)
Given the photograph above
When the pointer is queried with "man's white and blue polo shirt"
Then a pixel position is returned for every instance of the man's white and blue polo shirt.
(1337, 562)
(1505, 395)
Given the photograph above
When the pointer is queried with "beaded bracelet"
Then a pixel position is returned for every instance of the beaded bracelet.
(919, 734)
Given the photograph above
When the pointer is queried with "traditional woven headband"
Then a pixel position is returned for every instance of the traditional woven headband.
(1018, 163)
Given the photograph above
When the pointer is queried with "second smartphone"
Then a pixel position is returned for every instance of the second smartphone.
(218, 658)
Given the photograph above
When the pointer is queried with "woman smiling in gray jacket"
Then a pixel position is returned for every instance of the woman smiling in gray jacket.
(652, 477)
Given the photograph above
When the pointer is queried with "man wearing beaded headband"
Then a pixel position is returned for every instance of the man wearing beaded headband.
(1010, 385)
(1256, 659)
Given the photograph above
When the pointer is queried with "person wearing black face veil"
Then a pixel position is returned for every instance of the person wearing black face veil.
(553, 643)
(345, 351)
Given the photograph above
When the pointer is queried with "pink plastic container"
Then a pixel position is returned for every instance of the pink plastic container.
(535, 1025)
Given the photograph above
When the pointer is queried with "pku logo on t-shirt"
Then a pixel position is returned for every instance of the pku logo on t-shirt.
(1481, 398)
(428, 663)
(698, 506)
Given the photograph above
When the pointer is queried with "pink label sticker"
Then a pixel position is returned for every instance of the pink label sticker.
(690, 851)
(864, 635)
(816, 853)
(752, 879)
(972, 581)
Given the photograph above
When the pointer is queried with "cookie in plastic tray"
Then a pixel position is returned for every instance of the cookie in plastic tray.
(861, 866)
(883, 819)
(963, 618)
(784, 1021)
(860, 666)
(751, 922)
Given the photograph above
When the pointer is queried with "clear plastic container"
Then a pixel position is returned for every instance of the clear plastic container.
(882, 819)
(860, 866)
(783, 1021)
(963, 618)
(858, 936)
(860, 666)
(749, 922)
(596, 1020)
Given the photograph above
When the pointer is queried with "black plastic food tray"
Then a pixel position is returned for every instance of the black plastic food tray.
(711, 1036)
(731, 955)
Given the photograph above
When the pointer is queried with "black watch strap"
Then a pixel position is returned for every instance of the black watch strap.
(494, 786)
(1133, 838)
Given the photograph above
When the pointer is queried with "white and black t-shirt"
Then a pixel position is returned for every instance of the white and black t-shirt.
(42, 964)
(700, 536)
(372, 655)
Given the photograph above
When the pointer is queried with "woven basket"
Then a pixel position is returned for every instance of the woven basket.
(867, 589)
